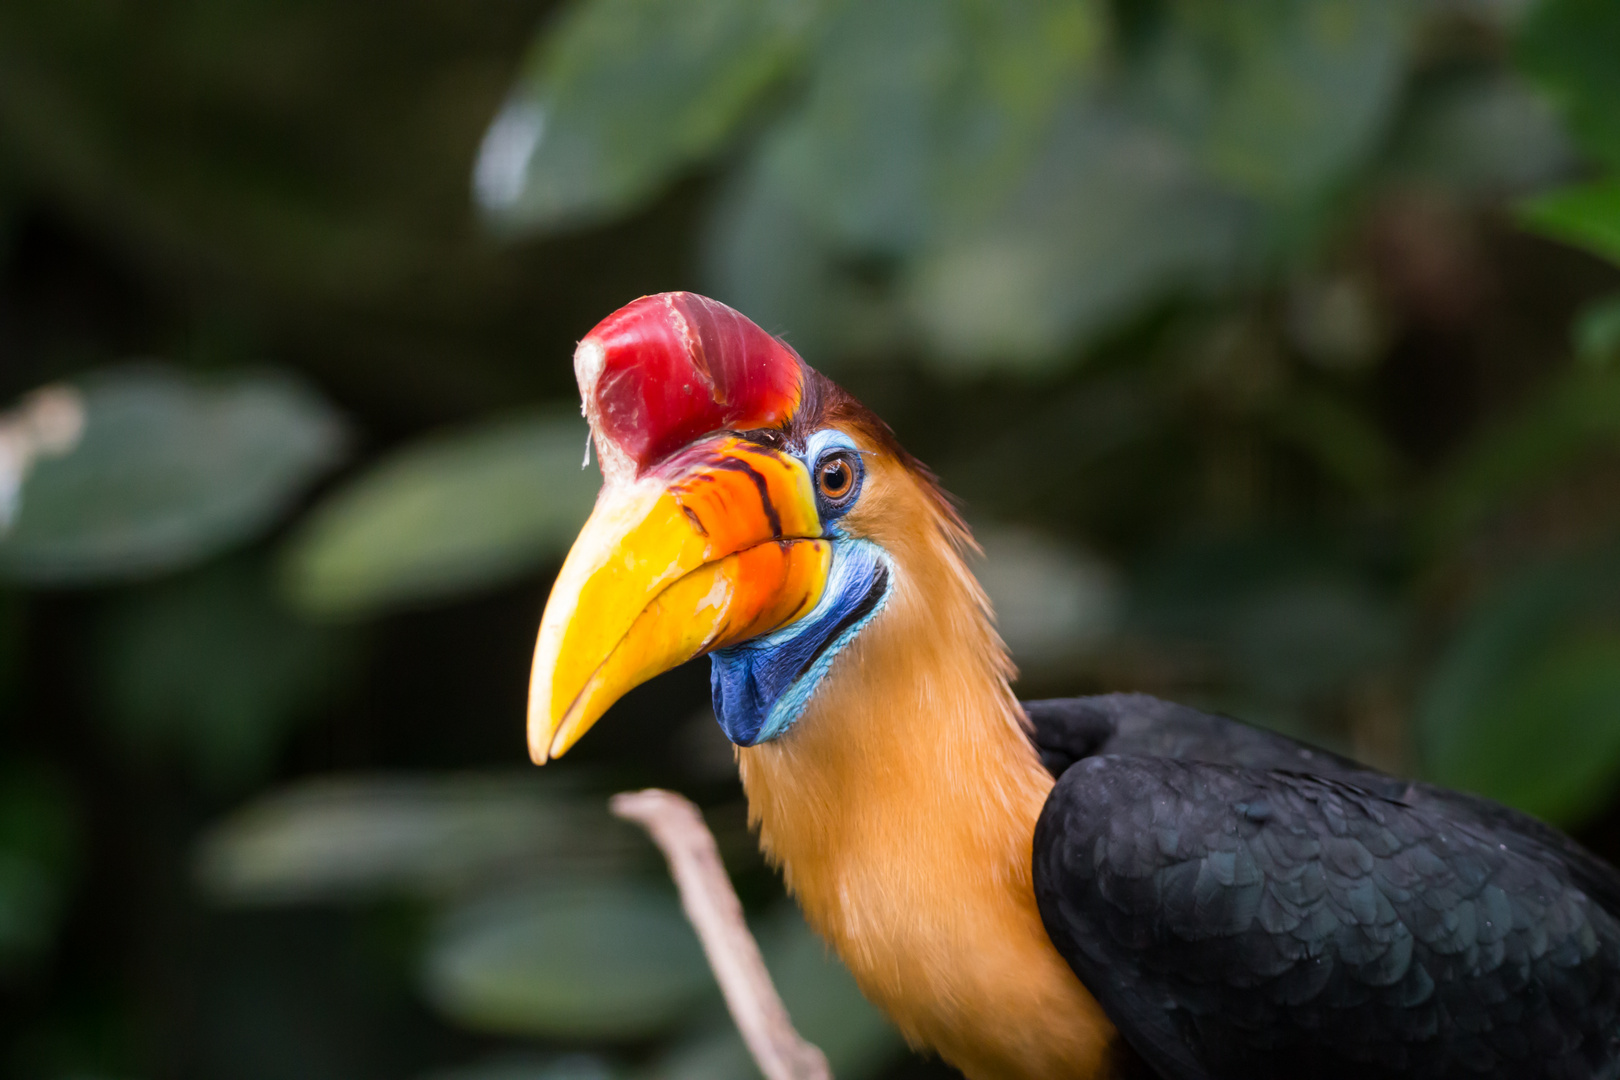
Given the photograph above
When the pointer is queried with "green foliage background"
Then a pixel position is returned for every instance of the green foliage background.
(1273, 347)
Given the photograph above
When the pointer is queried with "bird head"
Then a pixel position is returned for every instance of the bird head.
(751, 510)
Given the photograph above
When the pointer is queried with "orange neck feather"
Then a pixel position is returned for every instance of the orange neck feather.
(901, 808)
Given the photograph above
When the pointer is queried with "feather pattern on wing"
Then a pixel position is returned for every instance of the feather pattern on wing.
(1244, 905)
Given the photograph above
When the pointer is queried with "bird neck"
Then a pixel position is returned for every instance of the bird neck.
(901, 809)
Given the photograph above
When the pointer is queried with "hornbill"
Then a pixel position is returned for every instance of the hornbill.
(1110, 886)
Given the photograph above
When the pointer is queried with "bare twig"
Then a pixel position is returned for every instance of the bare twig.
(47, 423)
(711, 904)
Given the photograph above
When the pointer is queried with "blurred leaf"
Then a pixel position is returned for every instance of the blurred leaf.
(38, 815)
(763, 254)
(1079, 436)
(1282, 96)
(170, 470)
(622, 94)
(1190, 589)
(611, 961)
(1587, 216)
(1034, 212)
(920, 109)
(532, 1067)
(1286, 623)
(1524, 706)
(920, 118)
(210, 665)
(1554, 430)
(446, 515)
(1487, 132)
(1313, 636)
(368, 837)
(1051, 600)
(821, 998)
(39, 845)
(1597, 333)
(714, 1053)
(314, 152)
(1112, 217)
(1570, 46)
(1549, 740)
(9, 201)
(30, 903)
(11, 641)
(1346, 444)
(1337, 323)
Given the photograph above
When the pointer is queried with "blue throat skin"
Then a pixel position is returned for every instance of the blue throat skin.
(762, 686)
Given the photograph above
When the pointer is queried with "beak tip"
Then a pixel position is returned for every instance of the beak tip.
(540, 733)
(549, 740)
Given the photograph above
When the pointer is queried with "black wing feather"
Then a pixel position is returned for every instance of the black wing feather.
(1243, 912)
(1068, 729)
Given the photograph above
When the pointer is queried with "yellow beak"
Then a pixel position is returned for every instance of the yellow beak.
(719, 545)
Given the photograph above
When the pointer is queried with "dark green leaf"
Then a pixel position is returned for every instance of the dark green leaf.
(585, 962)
(763, 255)
(1113, 216)
(39, 847)
(1524, 705)
(923, 110)
(1548, 741)
(11, 641)
(532, 1067)
(921, 118)
(1597, 334)
(1577, 414)
(1311, 637)
(1282, 96)
(1031, 213)
(715, 1053)
(209, 665)
(30, 903)
(374, 836)
(1190, 590)
(1570, 46)
(1344, 442)
(1486, 132)
(1287, 625)
(822, 1000)
(623, 94)
(8, 207)
(1587, 216)
(1337, 322)
(314, 152)
(170, 470)
(446, 515)
(1052, 601)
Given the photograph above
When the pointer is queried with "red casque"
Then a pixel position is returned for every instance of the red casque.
(666, 369)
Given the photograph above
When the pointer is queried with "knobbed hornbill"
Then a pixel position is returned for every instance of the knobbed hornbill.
(1096, 887)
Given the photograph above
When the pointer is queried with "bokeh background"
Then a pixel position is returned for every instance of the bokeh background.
(1273, 348)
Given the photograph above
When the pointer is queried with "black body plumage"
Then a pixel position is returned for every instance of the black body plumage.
(1246, 907)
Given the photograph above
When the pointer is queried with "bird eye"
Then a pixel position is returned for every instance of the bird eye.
(836, 478)
(838, 481)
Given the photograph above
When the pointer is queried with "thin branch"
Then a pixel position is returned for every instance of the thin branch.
(677, 827)
(47, 423)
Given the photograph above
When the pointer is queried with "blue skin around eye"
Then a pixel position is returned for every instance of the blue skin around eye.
(761, 687)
